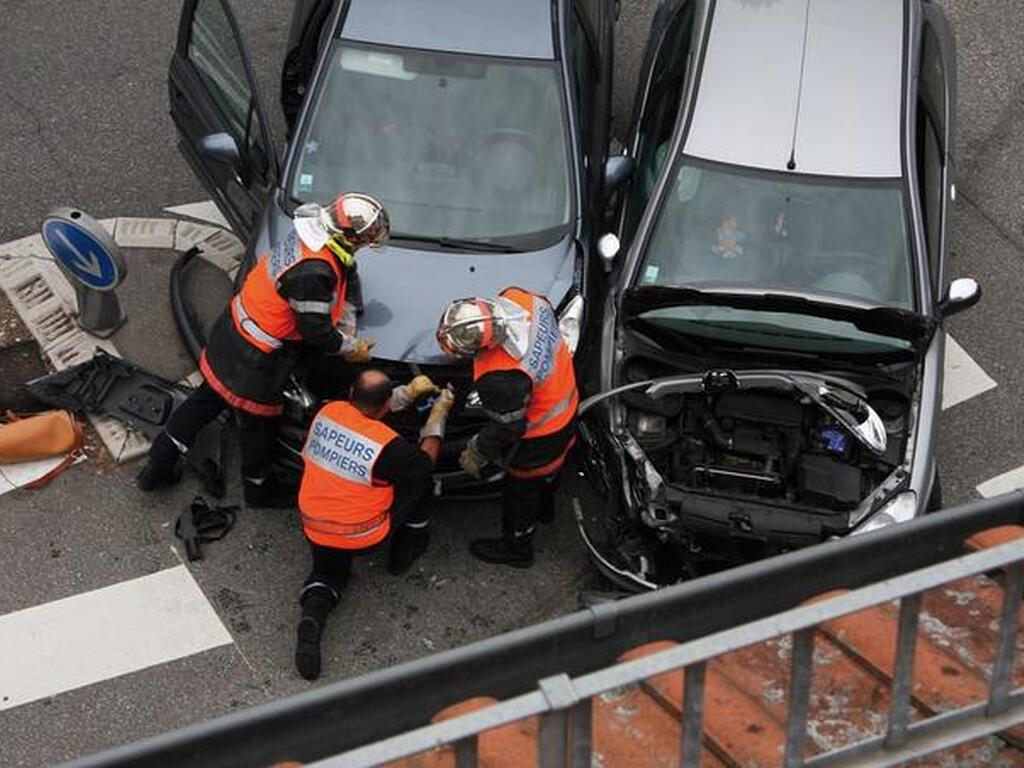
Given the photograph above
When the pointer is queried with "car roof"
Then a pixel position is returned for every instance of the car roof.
(512, 28)
(836, 108)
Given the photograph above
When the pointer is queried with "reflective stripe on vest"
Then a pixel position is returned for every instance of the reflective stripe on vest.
(341, 504)
(261, 315)
(250, 328)
(547, 362)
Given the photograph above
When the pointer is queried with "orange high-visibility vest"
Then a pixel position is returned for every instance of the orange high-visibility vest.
(342, 506)
(263, 316)
(547, 362)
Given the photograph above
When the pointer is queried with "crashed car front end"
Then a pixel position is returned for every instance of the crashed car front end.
(704, 471)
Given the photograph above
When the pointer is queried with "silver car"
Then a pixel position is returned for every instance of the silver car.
(772, 341)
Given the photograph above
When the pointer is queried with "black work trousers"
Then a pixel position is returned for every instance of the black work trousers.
(524, 500)
(257, 434)
(332, 567)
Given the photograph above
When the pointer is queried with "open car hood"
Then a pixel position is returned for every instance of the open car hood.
(871, 318)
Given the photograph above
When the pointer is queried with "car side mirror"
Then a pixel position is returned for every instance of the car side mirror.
(963, 293)
(617, 171)
(608, 248)
(220, 147)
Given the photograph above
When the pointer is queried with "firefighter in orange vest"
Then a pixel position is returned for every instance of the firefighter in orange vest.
(523, 372)
(362, 484)
(295, 293)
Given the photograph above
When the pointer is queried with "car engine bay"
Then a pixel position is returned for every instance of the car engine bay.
(711, 469)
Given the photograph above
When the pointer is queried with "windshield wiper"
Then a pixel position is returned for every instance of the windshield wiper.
(460, 243)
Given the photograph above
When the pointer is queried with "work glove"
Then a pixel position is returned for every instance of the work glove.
(406, 394)
(471, 460)
(438, 417)
(355, 350)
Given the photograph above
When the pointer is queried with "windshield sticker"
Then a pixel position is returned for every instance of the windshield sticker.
(651, 273)
(306, 182)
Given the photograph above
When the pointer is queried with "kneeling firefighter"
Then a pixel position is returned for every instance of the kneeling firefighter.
(523, 373)
(296, 293)
(362, 484)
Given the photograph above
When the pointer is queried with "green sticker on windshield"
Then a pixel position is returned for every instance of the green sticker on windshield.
(306, 182)
(651, 273)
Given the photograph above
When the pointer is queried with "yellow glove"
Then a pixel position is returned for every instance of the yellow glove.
(358, 350)
(406, 394)
(438, 417)
(422, 385)
(471, 460)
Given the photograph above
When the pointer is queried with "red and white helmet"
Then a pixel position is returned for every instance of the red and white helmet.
(469, 326)
(352, 221)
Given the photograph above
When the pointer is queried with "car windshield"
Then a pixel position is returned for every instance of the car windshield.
(455, 146)
(839, 239)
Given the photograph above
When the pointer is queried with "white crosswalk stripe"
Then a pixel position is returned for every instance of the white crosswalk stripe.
(202, 211)
(95, 636)
(1004, 483)
(963, 377)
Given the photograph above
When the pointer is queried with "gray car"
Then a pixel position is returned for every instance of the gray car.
(482, 125)
(772, 351)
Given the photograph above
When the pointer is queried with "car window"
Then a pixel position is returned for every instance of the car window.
(770, 230)
(929, 170)
(658, 117)
(931, 149)
(217, 56)
(933, 79)
(454, 145)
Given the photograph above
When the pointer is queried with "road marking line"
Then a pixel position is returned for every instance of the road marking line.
(204, 211)
(106, 633)
(963, 378)
(1004, 483)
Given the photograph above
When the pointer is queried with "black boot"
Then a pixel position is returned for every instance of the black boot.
(153, 475)
(270, 493)
(517, 552)
(317, 601)
(406, 547)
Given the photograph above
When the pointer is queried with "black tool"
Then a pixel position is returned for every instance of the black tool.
(200, 524)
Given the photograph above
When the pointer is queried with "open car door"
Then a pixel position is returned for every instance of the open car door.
(222, 127)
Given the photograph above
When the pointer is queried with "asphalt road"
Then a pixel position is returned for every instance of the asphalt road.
(83, 120)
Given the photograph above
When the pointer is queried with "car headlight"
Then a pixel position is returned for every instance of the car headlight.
(570, 321)
(899, 509)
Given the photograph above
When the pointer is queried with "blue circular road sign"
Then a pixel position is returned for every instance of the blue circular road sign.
(84, 248)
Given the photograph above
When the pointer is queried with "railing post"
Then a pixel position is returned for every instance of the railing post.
(564, 737)
(903, 672)
(801, 664)
(1009, 628)
(466, 752)
(693, 715)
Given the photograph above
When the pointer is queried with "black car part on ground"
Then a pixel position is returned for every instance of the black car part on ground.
(200, 524)
(361, 710)
(144, 402)
(704, 471)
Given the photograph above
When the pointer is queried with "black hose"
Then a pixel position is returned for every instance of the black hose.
(184, 318)
(714, 429)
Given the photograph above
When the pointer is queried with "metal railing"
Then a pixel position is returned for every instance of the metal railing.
(354, 723)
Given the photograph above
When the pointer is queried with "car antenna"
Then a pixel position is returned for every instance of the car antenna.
(791, 165)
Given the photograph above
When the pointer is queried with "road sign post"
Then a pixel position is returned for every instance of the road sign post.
(91, 260)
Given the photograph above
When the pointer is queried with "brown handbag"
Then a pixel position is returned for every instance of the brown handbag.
(40, 436)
